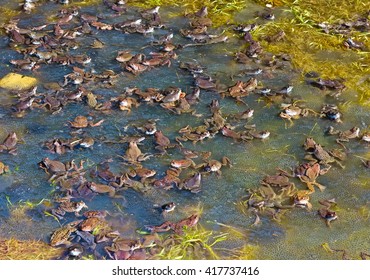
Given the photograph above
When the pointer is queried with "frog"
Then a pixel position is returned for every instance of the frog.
(366, 137)
(86, 239)
(331, 112)
(301, 199)
(192, 183)
(148, 128)
(176, 227)
(133, 154)
(217, 121)
(162, 142)
(124, 56)
(3, 168)
(168, 181)
(278, 181)
(242, 89)
(9, 144)
(53, 166)
(136, 68)
(168, 207)
(194, 137)
(182, 163)
(309, 144)
(101, 188)
(70, 207)
(61, 236)
(231, 133)
(143, 173)
(326, 213)
(96, 213)
(190, 221)
(344, 136)
(86, 142)
(90, 224)
(122, 244)
(293, 111)
(308, 173)
(82, 122)
(264, 134)
(321, 156)
(127, 182)
(328, 84)
(126, 103)
(215, 165)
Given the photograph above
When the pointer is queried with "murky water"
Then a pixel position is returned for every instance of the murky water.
(300, 232)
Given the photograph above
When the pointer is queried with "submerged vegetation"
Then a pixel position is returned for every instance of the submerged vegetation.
(194, 244)
(309, 45)
(13, 249)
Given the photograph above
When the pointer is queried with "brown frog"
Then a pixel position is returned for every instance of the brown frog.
(168, 181)
(301, 199)
(134, 155)
(90, 224)
(326, 213)
(143, 173)
(101, 188)
(293, 111)
(9, 143)
(122, 244)
(162, 141)
(279, 181)
(182, 163)
(70, 207)
(192, 183)
(215, 165)
(3, 168)
(82, 122)
(61, 236)
(308, 173)
(344, 136)
(320, 155)
(176, 227)
(53, 166)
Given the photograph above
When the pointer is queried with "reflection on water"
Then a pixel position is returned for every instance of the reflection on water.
(298, 235)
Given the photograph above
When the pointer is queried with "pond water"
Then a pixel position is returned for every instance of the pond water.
(298, 234)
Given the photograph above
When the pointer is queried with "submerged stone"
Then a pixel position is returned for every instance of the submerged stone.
(14, 81)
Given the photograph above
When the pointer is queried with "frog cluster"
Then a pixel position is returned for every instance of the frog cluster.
(277, 192)
(144, 143)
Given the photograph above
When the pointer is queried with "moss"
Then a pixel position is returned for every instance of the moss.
(14, 81)
(13, 249)
(313, 50)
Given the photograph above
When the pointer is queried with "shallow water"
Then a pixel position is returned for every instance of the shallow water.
(299, 234)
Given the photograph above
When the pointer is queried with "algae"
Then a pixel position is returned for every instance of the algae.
(305, 42)
(14, 81)
(13, 249)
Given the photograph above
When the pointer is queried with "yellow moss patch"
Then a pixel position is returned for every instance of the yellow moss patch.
(313, 50)
(13, 249)
(14, 81)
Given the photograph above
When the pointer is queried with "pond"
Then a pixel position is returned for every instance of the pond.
(127, 79)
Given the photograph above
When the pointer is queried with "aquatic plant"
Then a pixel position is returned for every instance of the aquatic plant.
(13, 249)
(194, 243)
(311, 49)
